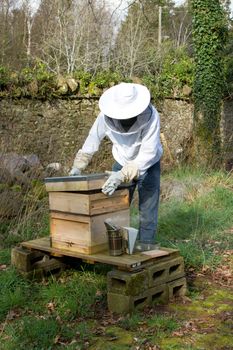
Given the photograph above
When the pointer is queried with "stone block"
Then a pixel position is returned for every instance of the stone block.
(177, 288)
(127, 283)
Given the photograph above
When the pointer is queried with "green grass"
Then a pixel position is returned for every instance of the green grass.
(44, 333)
(198, 224)
(132, 322)
(163, 324)
(14, 292)
(35, 315)
(32, 333)
(74, 295)
(5, 256)
(31, 226)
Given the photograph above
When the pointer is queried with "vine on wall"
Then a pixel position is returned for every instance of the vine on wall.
(209, 37)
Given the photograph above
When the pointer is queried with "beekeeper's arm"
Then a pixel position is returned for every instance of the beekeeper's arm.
(90, 146)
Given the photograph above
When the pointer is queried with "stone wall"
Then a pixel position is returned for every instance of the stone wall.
(54, 130)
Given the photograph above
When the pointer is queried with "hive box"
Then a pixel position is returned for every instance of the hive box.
(83, 233)
(78, 210)
(88, 203)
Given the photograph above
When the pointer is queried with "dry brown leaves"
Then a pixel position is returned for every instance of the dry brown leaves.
(223, 275)
(194, 326)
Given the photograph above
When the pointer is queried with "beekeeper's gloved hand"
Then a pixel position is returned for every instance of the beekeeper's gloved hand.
(75, 172)
(114, 180)
(80, 163)
(128, 173)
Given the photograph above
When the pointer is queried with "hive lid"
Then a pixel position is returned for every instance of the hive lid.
(87, 177)
(76, 183)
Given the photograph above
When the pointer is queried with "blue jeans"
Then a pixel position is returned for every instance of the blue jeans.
(148, 186)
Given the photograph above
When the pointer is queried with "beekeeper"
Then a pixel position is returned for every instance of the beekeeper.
(132, 123)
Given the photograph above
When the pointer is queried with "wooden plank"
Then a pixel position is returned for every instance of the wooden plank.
(155, 253)
(88, 204)
(125, 262)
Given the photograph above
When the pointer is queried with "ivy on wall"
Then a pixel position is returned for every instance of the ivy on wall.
(209, 37)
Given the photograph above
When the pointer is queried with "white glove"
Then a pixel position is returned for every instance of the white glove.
(75, 172)
(81, 161)
(114, 180)
(130, 171)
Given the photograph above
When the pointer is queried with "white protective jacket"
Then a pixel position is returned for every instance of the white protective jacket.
(140, 144)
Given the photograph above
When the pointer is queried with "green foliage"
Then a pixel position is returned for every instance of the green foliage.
(84, 79)
(38, 72)
(106, 78)
(209, 37)
(176, 71)
(29, 81)
(92, 83)
(4, 76)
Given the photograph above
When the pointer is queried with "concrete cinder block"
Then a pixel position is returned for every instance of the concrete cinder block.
(45, 267)
(163, 272)
(159, 294)
(158, 273)
(177, 288)
(123, 304)
(127, 283)
(23, 259)
(176, 269)
(35, 264)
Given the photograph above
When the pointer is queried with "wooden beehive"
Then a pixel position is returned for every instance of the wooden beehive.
(77, 215)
